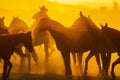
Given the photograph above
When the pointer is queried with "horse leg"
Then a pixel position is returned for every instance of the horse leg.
(66, 59)
(106, 62)
(4, 77)
(74, 59)
(29, 60)
(98, 61)
(10, 67)
(19, 51)
(79, 56)
(113, 66)
(46, 52)
(86, 62)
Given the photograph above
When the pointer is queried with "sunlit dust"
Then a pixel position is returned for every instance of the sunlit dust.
(64, 12)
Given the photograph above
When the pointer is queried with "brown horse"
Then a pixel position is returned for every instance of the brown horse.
(78, 22)
(114, 36)
(8, 44)
(80, 39)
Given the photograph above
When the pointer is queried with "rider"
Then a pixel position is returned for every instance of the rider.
(38, 16)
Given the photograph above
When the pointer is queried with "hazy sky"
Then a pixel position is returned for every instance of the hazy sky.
(34, 3)
(79, 1)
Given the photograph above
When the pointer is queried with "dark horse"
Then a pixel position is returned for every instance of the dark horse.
(114, 36)
(8, 45)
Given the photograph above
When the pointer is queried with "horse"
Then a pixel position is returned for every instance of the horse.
(44, 37)
(79, 22)
(8, 44)
(18, 26)
(113, 35)
(80, 39)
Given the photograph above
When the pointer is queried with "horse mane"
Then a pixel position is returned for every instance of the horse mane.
(53, 23)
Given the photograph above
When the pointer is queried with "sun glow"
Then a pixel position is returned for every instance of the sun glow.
(82, 1)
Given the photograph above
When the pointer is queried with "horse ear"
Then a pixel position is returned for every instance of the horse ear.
(101, 25)
(81, 13)
(106, 24)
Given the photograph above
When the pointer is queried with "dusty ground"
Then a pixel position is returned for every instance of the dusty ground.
(50, 77)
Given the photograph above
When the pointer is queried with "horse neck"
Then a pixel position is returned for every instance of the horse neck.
(59, 32)
(112, 33)
(57, 27)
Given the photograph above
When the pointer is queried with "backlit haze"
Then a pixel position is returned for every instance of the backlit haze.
(65, 12)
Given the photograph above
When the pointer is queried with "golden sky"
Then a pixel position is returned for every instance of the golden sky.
(33, 3)
(80, 1)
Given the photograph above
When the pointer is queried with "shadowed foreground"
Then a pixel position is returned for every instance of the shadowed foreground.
(23, 76)
(40, 72)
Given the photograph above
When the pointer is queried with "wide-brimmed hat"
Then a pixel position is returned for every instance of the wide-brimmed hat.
(43, 8)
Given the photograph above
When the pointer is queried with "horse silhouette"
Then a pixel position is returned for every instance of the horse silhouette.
(78, 22)
(8, 44)
(113, 35)
(18, 26)
(44, 37)
(79, 39)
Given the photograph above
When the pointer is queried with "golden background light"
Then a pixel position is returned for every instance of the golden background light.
(65, 12)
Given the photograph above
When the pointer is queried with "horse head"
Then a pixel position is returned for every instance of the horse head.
(17, 25)
(27, 41)
(42, 25)
(104, 28)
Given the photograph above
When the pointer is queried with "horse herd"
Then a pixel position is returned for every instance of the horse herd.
(82, 36)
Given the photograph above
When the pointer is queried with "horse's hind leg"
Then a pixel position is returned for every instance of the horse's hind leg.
(74, 58)
(19, 51)
(98, 61)
(79, 56)
(66, 59)
(106, 62)
(4, 71)
(10, 66)
(113, 65)
(86, 62)
(46, 52)
(29, 61)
